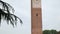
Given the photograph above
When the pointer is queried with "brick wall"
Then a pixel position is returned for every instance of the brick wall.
(36, 18)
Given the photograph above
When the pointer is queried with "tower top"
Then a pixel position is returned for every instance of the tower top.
(36, 3)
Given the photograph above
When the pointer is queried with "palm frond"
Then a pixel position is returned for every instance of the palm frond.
(9, 17)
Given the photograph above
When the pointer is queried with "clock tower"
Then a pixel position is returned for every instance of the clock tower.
(36, 17)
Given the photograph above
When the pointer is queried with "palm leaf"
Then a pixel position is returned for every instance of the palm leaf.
(9, 17)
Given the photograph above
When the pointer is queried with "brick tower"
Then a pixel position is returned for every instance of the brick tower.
(36, 17)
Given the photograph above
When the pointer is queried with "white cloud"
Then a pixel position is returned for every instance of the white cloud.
(51, 14)
(22, 10)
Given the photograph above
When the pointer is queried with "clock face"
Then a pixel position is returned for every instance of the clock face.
(36, 3)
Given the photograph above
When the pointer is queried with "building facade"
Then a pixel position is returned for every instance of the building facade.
(36, 17)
